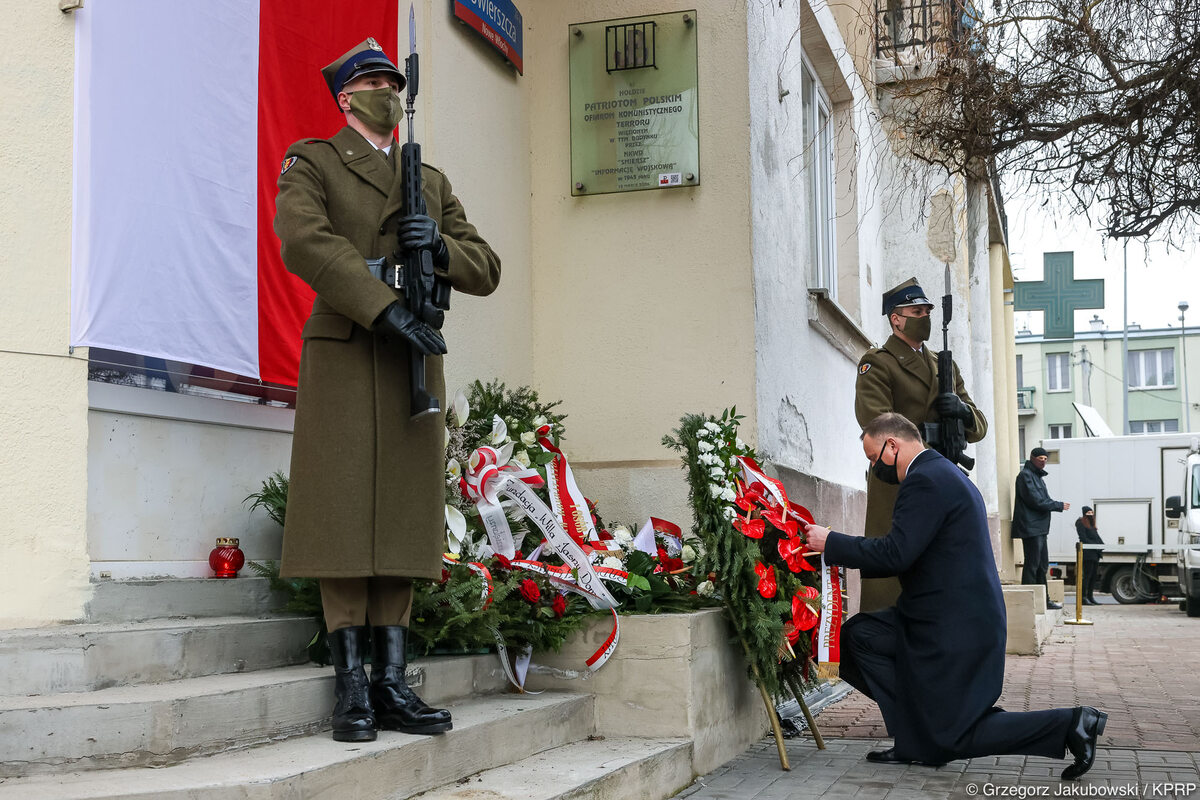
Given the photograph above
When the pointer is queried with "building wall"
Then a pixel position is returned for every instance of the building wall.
(643, 301)
(43, 398)
(1103, 349)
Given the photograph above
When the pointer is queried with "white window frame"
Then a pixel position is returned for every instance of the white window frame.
(1140, 359)
(1147, 427)
(1060, 431)
(819, 175)
(1059, 363)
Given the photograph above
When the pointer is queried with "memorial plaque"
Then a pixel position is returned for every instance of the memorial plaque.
(635, 120)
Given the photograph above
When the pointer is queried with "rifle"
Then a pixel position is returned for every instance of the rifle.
(947, 436)
(426, 294)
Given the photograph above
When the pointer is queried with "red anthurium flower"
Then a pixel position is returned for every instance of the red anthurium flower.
(776, 517)
(754, 528)
(790, 550)
(801, 512)
(530, 591)
(559, 605)
(803, 616)
(766, 580)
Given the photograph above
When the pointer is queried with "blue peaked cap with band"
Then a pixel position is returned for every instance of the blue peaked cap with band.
(906, 294)
(362, 59)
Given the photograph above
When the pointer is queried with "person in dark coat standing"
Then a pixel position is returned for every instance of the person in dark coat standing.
(902, 376)
(366, 498)
(935, 662)
(1085, 529)
(1031, 518)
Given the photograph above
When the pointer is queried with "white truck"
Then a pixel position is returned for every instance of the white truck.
(1127, 480)
(1185, 510)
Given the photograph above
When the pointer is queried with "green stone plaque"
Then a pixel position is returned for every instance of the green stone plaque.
(635, 120)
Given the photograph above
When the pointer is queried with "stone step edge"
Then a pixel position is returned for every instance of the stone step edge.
(71, 632)
(288, 764)
(627, 767)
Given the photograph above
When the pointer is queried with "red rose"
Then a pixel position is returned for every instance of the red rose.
(530, 591)
(559, 605)
(502, 561)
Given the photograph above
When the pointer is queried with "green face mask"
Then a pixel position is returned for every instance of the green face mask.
(918, 328)
(379, 109)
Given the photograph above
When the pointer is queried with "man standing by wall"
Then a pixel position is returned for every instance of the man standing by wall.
(365, 506)
(1031, 518)
(901, 376)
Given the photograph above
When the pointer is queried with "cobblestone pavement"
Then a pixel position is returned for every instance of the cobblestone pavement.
(1138, 663)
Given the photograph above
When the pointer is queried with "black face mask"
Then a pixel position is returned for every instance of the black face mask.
(885, 472)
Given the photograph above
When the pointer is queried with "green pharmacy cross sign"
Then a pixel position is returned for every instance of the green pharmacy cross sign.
(1058, 295)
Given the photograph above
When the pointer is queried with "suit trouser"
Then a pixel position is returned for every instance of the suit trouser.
(1037, 560)
(869, 647)
(384, 600)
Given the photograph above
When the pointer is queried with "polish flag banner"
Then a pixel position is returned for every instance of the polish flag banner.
(183, 112)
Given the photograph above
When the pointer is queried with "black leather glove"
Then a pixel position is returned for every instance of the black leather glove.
(950, 406)
(419, 232)
(399, 321)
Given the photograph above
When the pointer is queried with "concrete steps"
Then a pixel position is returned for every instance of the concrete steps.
(489, 732)
(81, 658)
(134, 601)
(599, 768)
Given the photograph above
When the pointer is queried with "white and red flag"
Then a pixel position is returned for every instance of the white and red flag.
(183, 112)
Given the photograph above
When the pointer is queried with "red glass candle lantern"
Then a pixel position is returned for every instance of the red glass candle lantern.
(226, 558)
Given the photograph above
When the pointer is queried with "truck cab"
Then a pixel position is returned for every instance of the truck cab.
(1186, 509)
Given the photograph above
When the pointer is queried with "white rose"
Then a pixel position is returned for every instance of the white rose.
(705, 589)
(612, 562)
(539, 421)
(522, 458)
(622, 534)
(529, 438)
(716, 489)
(717, 474)
(705, 447)
(689, 554)
(701, 433)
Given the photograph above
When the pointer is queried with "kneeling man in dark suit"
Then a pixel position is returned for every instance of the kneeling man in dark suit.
(935, 661)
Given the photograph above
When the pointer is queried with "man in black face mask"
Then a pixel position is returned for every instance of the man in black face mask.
(901, 376)
(935, 662)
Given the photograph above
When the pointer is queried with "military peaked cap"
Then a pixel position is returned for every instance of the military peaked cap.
(362, 59)
(906, 294)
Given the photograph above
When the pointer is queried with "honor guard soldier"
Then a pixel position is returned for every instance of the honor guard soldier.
(902, 377)
(366, 499)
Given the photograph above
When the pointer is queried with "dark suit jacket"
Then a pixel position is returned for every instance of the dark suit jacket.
(952, 625)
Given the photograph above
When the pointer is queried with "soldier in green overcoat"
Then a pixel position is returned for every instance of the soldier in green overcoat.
(902, 377)
(366, 498)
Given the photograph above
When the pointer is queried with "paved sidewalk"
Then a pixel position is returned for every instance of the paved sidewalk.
(1141, 664)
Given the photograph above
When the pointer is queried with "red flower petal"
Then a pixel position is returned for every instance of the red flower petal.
(754, 528)
(766, 582)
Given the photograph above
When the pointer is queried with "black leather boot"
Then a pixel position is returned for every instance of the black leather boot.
(397, 707)
(353, 719)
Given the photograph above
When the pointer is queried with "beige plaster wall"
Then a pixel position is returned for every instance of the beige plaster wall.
(643, 301)
(43, 391)
(474, 115)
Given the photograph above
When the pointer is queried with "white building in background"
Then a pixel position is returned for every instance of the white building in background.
(1052, 375)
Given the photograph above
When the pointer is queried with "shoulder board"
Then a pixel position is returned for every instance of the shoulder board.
(431, 166)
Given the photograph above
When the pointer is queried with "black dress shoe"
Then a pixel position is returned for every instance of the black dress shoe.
(1086, 726)
(1052, 604)
(886, 757)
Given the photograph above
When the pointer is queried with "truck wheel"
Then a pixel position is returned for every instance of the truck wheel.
(1193, 605)
(1124, 590)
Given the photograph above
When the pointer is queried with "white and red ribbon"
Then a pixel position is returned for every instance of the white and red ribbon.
(829, 628)
(569, 504)
(483, 485)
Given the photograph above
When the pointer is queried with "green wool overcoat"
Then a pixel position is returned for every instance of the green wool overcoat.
(897, 378)
(366, 494)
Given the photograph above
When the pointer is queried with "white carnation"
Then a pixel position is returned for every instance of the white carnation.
(622, 534)
(740, 444)
(717, 474)
(729, 513)
(612, 562)
(705, 447)
(701, 432)
(705, 589)
(712, 426)
(728, 494)
(716, 489)
(689, 554)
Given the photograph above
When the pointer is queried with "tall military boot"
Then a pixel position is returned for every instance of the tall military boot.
(353, 719)
(397, 707)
